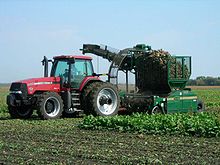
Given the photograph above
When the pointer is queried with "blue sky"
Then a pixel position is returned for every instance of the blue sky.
(32, 29)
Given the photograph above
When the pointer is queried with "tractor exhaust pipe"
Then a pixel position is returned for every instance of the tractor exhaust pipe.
(69, 74)
(45, 64)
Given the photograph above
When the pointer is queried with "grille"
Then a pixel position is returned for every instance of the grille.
(20, 87)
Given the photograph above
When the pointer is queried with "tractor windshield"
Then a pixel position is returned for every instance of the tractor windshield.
(79, 70)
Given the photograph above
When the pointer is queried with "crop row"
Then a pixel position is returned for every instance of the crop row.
(202, 124)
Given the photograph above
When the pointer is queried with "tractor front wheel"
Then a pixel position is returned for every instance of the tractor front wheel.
(103, 99)
(50, 106)
(23, 112)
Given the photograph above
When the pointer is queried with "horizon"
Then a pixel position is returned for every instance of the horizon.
(30, 30)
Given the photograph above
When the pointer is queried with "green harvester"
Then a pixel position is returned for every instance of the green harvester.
(160, 79)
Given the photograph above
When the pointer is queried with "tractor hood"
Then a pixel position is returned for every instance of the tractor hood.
(37, 84)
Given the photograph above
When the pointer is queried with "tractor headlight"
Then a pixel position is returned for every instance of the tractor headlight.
(16, 92)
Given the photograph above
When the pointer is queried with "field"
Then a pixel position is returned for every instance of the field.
(62, 142)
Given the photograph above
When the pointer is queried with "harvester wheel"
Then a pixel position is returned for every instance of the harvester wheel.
(200, 106)
(103, 99)
(156, 110)
(23, 112)
(50, 106)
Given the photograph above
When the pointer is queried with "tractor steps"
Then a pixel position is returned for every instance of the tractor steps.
(76, 101)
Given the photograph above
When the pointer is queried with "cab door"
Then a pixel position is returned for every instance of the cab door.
(80, 69)
(78, 73)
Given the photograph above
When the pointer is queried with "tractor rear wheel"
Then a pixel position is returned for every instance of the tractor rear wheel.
(103, 99)
(50, 106)
(23, 112)
(85, 99)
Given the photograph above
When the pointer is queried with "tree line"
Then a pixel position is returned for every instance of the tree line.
(204, 81)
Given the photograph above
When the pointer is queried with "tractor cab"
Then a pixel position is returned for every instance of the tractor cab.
(71, 69)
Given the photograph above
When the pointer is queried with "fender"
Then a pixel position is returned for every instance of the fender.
(88, 79)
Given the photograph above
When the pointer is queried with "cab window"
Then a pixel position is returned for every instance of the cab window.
(89, 68)
(80, 69)
(61, 69)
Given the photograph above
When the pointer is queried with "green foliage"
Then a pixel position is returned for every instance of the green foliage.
(202, 124)
(3, 106)
(204, 81)
(211, 97)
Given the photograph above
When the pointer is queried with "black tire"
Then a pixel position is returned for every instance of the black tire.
(85, 99)
(157, 110)
(50, 106)
(200, 106)
(70, 114)
(23, 112)
(103, 99)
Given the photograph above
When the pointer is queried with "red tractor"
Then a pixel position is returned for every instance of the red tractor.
(71, 87)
